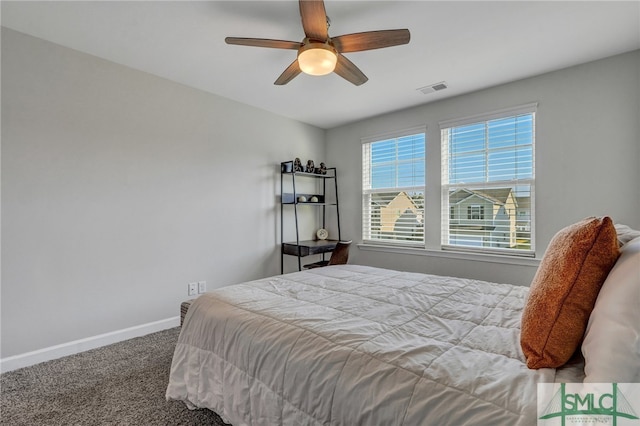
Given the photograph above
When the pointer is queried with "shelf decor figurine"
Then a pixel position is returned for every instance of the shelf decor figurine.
(297, 165)
(322, 170)
(310, 167)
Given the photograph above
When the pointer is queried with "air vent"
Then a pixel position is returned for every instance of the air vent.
(433, 87)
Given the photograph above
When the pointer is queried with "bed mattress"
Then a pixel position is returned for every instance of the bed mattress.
(357, 345)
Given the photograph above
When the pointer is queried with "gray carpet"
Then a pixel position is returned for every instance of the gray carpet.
(119, 384)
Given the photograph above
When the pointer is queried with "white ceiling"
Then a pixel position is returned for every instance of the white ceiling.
(470, 45)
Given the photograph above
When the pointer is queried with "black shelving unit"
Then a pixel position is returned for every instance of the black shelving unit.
(302, 248)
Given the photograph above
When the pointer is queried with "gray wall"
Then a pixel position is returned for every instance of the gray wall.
(587, 159)
(119, 188)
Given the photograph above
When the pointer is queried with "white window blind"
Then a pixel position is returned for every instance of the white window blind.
(488, 182)
(393, 182)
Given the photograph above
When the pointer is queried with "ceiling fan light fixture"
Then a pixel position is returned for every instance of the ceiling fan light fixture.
(317, 58)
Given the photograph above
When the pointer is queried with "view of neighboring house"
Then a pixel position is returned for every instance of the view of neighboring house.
(399, 216)
(486, 218)
(492, 217)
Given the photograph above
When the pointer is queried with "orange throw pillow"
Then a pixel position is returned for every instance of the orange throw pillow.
(564, 291)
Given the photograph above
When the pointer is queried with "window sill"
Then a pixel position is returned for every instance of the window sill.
(450, 254)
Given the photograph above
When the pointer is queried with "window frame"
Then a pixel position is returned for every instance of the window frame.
(367, 192)
(446, 186)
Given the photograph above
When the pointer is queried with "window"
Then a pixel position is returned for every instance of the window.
(475, 212)
(488, 182)
(393, 179)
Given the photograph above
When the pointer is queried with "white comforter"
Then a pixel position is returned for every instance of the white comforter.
(355, 345)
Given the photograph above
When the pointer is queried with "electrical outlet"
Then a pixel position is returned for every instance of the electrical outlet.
(202, 286)
(192, 289)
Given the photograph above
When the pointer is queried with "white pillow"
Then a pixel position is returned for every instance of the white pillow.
(625, 233)
(611, 345)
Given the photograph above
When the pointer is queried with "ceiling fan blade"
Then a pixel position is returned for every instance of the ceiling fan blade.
(314, 19)
(369, 40)
(289, 74)
(264, 42)
(347, 70)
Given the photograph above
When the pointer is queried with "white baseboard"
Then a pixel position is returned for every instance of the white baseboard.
(77, 346)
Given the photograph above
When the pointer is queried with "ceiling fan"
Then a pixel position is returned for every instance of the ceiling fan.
(319, 54)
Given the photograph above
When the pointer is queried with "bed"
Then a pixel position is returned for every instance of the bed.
(360, 345)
